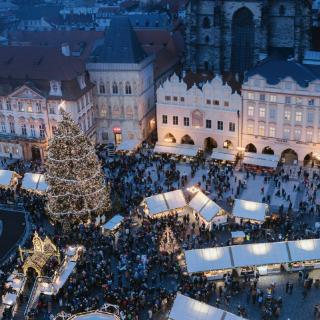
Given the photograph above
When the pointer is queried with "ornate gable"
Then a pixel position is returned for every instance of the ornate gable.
(25, 92)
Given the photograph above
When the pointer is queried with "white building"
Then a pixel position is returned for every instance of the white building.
(207, 117)
(123, 74)
(281, 110)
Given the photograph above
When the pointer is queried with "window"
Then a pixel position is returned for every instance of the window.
(23, 129)
(310, 117)
(250, 128)
(164, 119)
(3, 127)
(250, 111)
(232, 127)
(208, 101)
(186, 121)
(250, 95)
(42, 131)
(262, 112)
(128, 88)
(272, 132)
(286, 133)
(256, 83)
(273, 98)
(262, 97)
(208, 124)
(288, 85)
(298, 100)
(311, 102)
(220, 125)
(282, 10)
(216, 102)
(11, 126)
(287, 100)
(38, 106)
(33, 131)
(182, 99)
(226, 103)
(102, 88)
(175, 120)
(297, 134)
(261, 130)
(167, 98)
(287, 115)
(206, 23)
(175, 98)
(114, 88)
(273, 114)
(20, 106)
(309, 136)
(8, 105)
(298, 116)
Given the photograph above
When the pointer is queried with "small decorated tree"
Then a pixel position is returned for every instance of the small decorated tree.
(77, 187)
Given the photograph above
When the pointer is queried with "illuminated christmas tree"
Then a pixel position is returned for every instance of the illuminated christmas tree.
(76, 184)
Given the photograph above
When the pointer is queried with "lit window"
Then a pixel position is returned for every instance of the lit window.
(298, 100)
(261, 130)
(251, 111)
(272, 132)
(250, 128)
(250, 95)
(273, 98)
(309, 136)
(287, 115)
(298, 116)
(262, 112)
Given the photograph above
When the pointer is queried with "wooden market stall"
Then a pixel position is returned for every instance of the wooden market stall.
(249, 211)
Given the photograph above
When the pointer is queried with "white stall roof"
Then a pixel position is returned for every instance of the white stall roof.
(237, 234)
(175, 199)
(177, 149)
(95, 315)
(200, 260)
(156, 204)
(224, 154)
(308, 249)
(6, 177)
(204, 206)
(261, 160)
(260, 254)
(113, 223)
(9, 299)
(185, 308)
(128, 145)
(249, 210)
(34, 181)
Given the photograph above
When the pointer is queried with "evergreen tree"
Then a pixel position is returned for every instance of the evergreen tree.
(76, 184)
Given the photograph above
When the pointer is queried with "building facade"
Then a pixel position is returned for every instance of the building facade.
(124, 93)
(281, 109)
(208, 117)
(232, 35)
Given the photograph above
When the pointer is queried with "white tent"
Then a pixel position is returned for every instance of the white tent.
(237, 234)
(113, 223)
(301, 250)
(261, 160)
(128, 145)
(6, 177)
(185, 308)
(200, 260)
(94, 315)
(34, 182)
(224, 154)
(207, 208)
(177, 149)
(9, 299)
(249, 210)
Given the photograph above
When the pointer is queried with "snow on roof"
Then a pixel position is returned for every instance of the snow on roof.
(95, 315)
(128, 145)
(237, 234)
(261, 160)
(34, 181)
(6, 177)
(113, 223)
(249, 210)
(177, 149)
(224, 154)
(308, 249)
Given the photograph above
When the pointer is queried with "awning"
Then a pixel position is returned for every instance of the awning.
(224, 155)
(237, 234)
(9, 299)
(302, 250)
(165, 202)
(6, 177)
(261, 160)
(128, 145)
(200, 260)
(35, 182)
(185, 308)
(249, 210)
(94, 315)
(177, 149)
(113, 223)
(207, 208)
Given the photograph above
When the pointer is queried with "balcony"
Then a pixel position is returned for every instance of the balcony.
(16, 137)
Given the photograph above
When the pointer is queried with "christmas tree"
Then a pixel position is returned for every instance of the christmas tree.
(76, 184)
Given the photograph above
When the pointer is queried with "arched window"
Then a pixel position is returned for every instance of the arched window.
(206, 23)
(282, 10)
(102, 88)
(114, 88)
(128, 88)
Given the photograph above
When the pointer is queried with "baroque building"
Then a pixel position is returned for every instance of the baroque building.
(232, 35)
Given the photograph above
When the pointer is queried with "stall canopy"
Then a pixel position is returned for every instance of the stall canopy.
(224, 154)
(185, 308)
(177, 149)
(113, 223)
(237, 234)
(128, 145)
(261, 160)
(249, 210)
(35, 182)
(254, 254)
(165, 202)
(207, 208)
(94, 315)
(6, 177)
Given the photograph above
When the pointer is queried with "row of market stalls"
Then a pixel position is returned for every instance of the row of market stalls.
(260, 161)
(186, 308)
(30, 181)
(265, 258)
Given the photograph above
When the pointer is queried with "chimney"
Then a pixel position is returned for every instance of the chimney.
(65, 49)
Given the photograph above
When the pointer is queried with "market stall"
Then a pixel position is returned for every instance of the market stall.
(8, 178)
(94, 315)
(128, 145)
(34, 182)
(209, 212)
(224, 154)
(164, 203)
(260, 162)
(176, 149)
(186, 308)
(249, 211)
(238, 237)
(112, 225)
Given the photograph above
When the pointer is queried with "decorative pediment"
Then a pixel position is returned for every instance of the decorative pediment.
(25, 92)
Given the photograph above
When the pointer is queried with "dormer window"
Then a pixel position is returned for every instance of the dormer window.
(55, 88)
(82, 82)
